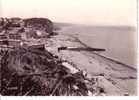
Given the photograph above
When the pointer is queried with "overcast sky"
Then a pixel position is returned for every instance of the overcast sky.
(94, 12)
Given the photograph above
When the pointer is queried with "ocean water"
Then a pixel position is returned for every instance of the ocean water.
(120, 42)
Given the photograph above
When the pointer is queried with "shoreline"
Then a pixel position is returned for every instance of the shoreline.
(105, 57)
(118, 42)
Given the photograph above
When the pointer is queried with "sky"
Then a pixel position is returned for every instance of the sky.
(89, 12)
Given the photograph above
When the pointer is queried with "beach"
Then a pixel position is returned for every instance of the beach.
(115, 77)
